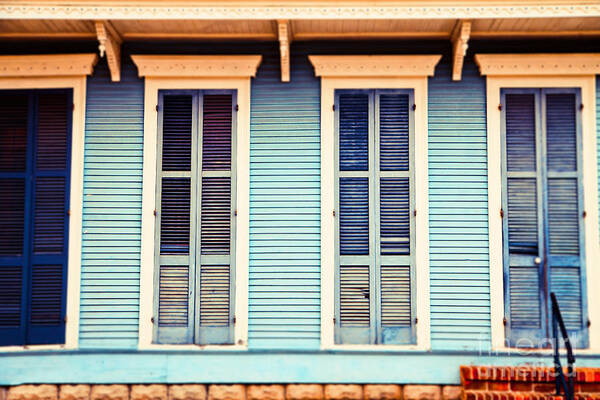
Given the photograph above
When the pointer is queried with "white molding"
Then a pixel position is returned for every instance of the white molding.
(176, 66)
(47, 65)
(78, 85)
(110, 44)
(152, 86)
(328, 87)
(587, 84)
(538, 64)
(284, 33)
(329, 10)
(460, 44)
(374, 65)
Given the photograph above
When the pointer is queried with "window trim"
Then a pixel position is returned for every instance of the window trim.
(526, 77)
(157, 79)
(77, 84)
(354, 76)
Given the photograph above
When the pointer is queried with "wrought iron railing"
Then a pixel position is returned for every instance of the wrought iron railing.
(567, 384)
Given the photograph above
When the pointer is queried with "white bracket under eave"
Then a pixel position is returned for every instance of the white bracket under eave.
(460, 43)
(285, 37)
(110, 44)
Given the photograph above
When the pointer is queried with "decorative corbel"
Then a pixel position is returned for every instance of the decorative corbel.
(285, 38)
(460, 43)
(110, 43)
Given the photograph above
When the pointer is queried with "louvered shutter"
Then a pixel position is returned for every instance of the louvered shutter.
(14, 201)
(564, 241)
(174, 305)
(356, 266)
(522, 200)
(394, 206)
(215, 315)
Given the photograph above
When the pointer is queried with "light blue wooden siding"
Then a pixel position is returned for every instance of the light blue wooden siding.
(284, 299)
(112, 196)
(458, 215)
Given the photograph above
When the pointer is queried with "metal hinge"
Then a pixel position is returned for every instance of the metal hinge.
(237, 107)
(235, 212)
(157, 108)
(154, 212)
(584, 214)
(333, 107)
(334, 213)
(588, 323)
(501, 213)
(69, 212)
(416, 320)
(152, 320)
(65, 319)
(234, 319)
(73, 106)
(581, 107)
(499, 107)
(504, 321)
(415, 213)
(414, 107)
(334, 320)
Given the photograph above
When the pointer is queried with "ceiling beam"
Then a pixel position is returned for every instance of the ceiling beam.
(110, 44)
(285, 37)
(460, 43)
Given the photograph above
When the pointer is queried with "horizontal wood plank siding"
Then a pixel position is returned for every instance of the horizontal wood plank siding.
(284, 298)
(458, 215)
(112, 202)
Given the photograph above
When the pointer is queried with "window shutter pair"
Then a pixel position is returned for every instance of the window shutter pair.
(543, 225)
(375, 301)
(35, 148)
(194, 236)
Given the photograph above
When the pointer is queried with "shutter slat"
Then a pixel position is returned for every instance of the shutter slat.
(525, 308)
(354, 216)
(13, 132)
(216, 215)
(177, 133)
(354, 132)
(12, 216)
(561, 133)
(214, 295)
(395, 296)
(173, 296)
(522, 215)
(49, 215)
(216, 132)
(52, 133)
(395, 216)
(46, 295)
(175, 216)
(520, 132)
(563, 216)
(11, 281)
(354, 296)
(393, 132)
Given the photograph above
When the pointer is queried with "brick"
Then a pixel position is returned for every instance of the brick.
(265, 392)
(499, 386)
(226, 392)
(148, 392)
(32, 392)
(422, 392)
(74, 392)
(382, 392)
(452, 393)
(343, 392)
(186, 392)
(466, 373)
(3, 391)
(109, 392)
(544, 387)
(589, 387)
(304, 392)
(521, 386)
(475, 385)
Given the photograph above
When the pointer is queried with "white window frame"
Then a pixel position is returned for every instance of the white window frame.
(505, 71)
(374, 72)
(167, 72)
(59, 71)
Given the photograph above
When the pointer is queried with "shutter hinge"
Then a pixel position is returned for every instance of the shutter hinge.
(499, 107)
(584, 214)
(333, 107)
(414, 107)
(154, 212)
(234, 319)
(588, 323)
(157, 108)
(237, 107)
(334, 213)
(501, 213)
(73, 106)
(581, 107)
(416, 320)
(334, 320)
(152, 320)
(504, 321)
(65, 319)
(69, 212)
(415, 212)
(235, 212)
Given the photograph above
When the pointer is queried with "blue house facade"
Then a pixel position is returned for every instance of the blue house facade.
(331, 206)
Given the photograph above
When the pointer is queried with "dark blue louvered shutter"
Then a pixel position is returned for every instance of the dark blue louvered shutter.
(14, 201)
(355, 264)
(522, 201)
(50, 224)
(564, 241)
(217, 256)
(394, 205)
(174, 305)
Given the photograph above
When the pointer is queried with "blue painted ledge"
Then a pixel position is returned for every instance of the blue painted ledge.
(203, 366)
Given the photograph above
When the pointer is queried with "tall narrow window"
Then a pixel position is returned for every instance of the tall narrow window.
(375, 299)
(35, 148)
(195, 218)
(543, 215)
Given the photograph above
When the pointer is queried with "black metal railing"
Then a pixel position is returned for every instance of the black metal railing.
(567, 384)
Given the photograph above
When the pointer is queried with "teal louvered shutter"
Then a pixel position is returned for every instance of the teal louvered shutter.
(175, 247)
(194, 236)
(543, 231)
(217, 256)
(374, 297)
(564, 214)
(14, 201)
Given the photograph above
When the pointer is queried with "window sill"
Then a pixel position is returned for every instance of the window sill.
(193, 347)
